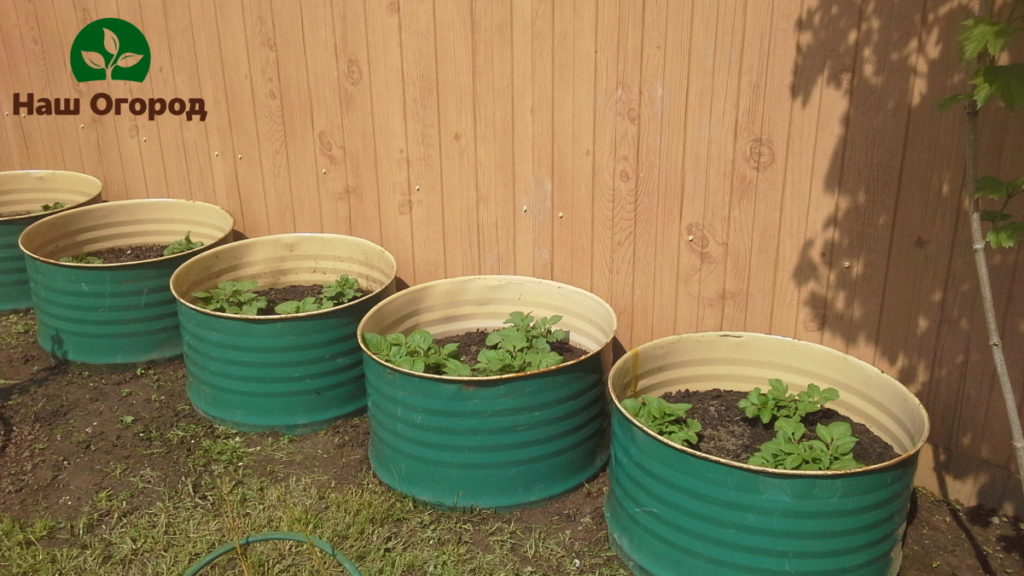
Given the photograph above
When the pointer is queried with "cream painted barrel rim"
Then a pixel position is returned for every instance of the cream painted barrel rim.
(626, 373)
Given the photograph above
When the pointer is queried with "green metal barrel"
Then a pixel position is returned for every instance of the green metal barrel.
(292, 373)
(672, 510)
(113, 313)
(105, 316)
(23, 196)
(497, 442)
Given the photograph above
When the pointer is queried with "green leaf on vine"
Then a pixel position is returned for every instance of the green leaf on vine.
(1006, 235)
(984, 35)
(952, 100)
(998, 189)
(1005, 81)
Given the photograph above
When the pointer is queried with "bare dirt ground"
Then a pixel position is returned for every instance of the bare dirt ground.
(65, 429)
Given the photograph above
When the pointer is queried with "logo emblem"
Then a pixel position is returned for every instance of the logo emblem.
(110, 49)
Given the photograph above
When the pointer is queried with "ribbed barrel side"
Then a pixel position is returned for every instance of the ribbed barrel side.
(27, 196)
(100, 315)
(293, 375)
(670, 515)
(14, 287)
(496, 444)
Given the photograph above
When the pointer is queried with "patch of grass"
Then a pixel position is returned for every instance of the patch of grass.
(18, 327)
(381, 531)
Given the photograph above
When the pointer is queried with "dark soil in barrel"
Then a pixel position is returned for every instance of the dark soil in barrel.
(132, 253)
(727, 432)
(471, 343)
(294, 292)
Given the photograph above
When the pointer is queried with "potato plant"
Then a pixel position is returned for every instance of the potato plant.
(664, 418)
(232, 298)
(417, 352)
(182, 245)
(342, 290)
(789, 450)
(524, 345)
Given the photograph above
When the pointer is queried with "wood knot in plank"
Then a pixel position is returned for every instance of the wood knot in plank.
(353, 72)
(325, 142)
(759, 153)
(697, 237)
(404, 206)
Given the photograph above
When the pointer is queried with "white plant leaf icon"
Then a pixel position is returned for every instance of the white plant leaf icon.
(127, 60)
(94, 59)
(110, 42)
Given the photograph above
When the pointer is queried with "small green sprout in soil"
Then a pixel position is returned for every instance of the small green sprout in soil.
(789, 450)
(52, 207)
(183, 245)
(522, 346)
(242, 297)
(81, 259)
(417, 352)
(664, 418)
(307, 304)
(232, 297)
(341, 291)
(777, 402)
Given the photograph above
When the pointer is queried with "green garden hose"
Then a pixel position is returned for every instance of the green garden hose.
(265, 536)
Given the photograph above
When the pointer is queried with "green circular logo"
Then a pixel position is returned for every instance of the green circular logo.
(110, 49)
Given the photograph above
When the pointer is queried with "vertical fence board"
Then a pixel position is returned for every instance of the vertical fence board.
(724, 84)
(327, 130)
(186, 84)
(522, 130)
(649, 191)
(492, 75)
(241, 132)
(457, 128)
(295, 103)
(14, 148)
(606, 88)
(273, 157)
(539, 199)
(764, 152)
(139, 134)
(355, 103)
(625, 166)
(869, 183)
(742, 183)
(42, 142)
(162, 139)
(211, 86)
(419, 67)
(928, 208)
(581, 217)
(94, 161)
(384, 51)
(184, 144)
(696, 251)
(671, 235)
(56, 72)
(821, 86)
(562, 120)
